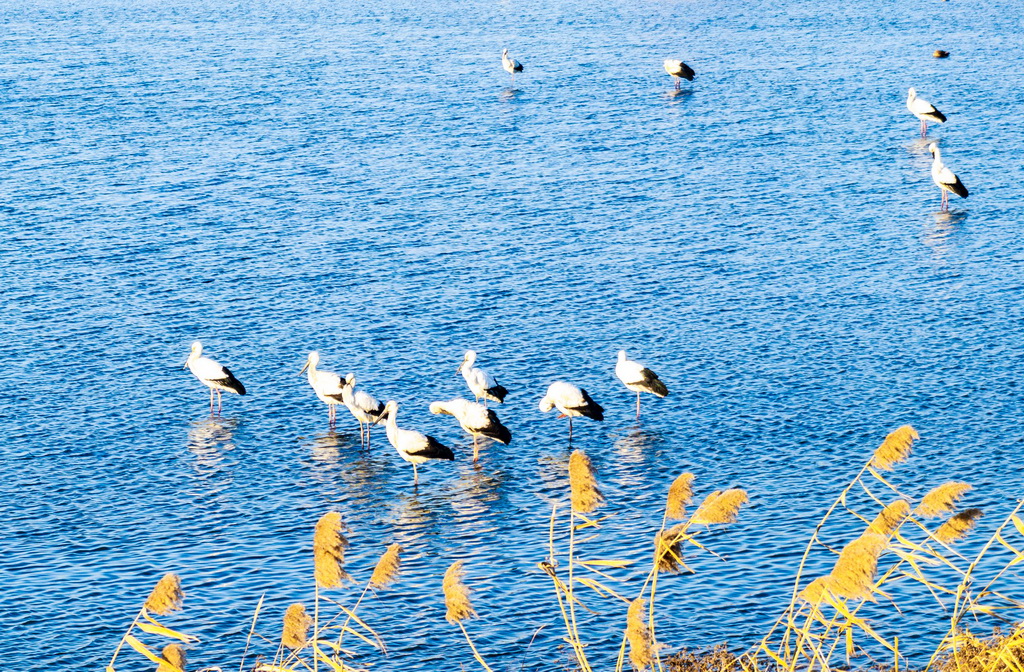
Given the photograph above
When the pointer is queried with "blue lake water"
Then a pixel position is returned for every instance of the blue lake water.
(359, 179)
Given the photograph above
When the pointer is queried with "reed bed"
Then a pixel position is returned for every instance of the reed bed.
(903, 537)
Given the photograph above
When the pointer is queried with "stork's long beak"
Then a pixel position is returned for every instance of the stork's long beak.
(459, 370)
(304, 367)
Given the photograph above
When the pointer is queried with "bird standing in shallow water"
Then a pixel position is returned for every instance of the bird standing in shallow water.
(327, 385)
(213, 375)
(679, 70)
(572, 402)
(363, 406)
(511, 65)
(944, 178)
(635, 376)
(481, 384)
(923, 110)
(412, 446)
(475, 419)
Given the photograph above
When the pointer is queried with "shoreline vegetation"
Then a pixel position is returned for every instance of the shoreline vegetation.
(904, 538)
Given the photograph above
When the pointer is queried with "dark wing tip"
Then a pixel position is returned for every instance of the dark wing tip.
(592, 409)
(500, 392)
(654, 384)
(233, 384)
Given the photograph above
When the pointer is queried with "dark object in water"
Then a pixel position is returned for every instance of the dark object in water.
(939, 53)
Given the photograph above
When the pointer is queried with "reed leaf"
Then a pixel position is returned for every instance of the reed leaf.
(720, 507)
(680, 494)
(584, 493)
(329, 545)
(141, 648)
(958, 526)
(456, 595)
(895, 448)
(166, 596)
(942, 499)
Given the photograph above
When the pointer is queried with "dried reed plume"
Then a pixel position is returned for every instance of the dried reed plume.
(957, 527)
(942, 499)
(386, 571)
(890, 518)
(329, 551)
(668, 551)
(174, 657)
(815, 591)
(582, 484)
(638, 634)
(166, 596)
(720, 507)
(296, 625)
(680, 493)
(895, 448)
(456, 595)
(853, 575)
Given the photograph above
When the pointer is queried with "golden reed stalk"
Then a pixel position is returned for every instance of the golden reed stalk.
(942, 499)
(680, 494)
(890, 518)
(668, 553)
(957, 527)
(166, 596)
(853, 575)
(175, 659)
(456, 595)
(720, 507)
(388, 567)
(296, 627)
(638, 635)
(895, 448)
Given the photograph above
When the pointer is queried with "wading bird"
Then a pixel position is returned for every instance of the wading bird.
(944, 178)
(363, 406)
(637, 377)
(924, 111)
(572, 402)
(511, 65)
(212, 374)
(412, 446)
(678, 70)
(475, 419)
(327, 385)
(481, 384)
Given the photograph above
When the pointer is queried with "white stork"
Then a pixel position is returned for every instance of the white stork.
(637, 377)
(481, 384)
(678, 70)
(923, 110)
(327, 385)
(212, 374)
(475, 419)
(412, 446)
(362, 405)
(572, 402)
(511, 65)
(945, 179)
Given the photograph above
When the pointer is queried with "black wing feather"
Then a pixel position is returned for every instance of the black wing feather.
(434, 450)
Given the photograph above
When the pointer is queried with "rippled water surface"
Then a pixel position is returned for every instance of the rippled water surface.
(359, 179)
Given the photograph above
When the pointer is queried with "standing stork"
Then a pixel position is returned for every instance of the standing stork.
(412, 446)
(511, 65)
(678, 70)
(572, 402)
(945, 179)
(923, 110)
(327, 385)
(475, 419)
(481, 384)
(637, 377)
(363, 405)
(212, 374)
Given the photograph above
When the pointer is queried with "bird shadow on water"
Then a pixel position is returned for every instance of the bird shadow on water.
(941, 232)
(510, 94)
(678, 95)
(210, 439)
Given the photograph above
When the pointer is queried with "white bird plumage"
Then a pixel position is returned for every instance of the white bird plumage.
(475, 419)
(944, 178)
(637, 377)
(511, 65)
(327, 385)
(362, 405)
(481, 384)
(412, 446)
(571, 401)
(923, 110)
(678, 70)
(212, 374)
